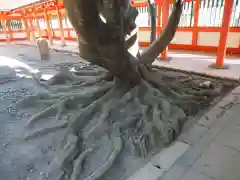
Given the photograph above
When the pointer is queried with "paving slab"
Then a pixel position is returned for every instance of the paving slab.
(221, 114)
(148, 172)
(193, 134)
(161, 162)
(191, 155)
(194, 175)
(230, 136)
(219, 162)
(168, 156)
(198, 147)
(175, 173)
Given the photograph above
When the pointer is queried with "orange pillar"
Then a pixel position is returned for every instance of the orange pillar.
(228, 6)
(26, 28)
(49, 30)
(165, 14)
(59, 15)
(66, 20)
(66, 24)
(33, 37)
(10, 35)
(4, 28)
(38, 26)
(195, 22)
(158, 19)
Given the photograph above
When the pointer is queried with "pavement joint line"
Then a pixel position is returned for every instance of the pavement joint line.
(165, 159)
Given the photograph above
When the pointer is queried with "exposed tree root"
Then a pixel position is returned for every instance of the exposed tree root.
(83, 118)
(148, 115)
(65, 156)
(45, 131)
(78, 164)
(30, 100)
(107, 109)
(118, 145)
(53, 109)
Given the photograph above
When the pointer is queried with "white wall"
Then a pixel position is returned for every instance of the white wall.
(11, 4)
(204, 38)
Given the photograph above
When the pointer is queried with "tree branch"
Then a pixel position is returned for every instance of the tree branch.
(152, 14)
(83, 15)
(151, 53)
(104, 43)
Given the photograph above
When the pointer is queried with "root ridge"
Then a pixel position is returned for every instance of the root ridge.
(88, 105)
(118, 145)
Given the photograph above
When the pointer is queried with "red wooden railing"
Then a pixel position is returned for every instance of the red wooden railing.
(214, 39)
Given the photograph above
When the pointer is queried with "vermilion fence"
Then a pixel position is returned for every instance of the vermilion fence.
(199, 28)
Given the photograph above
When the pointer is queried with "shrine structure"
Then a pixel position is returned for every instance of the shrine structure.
(47, 18)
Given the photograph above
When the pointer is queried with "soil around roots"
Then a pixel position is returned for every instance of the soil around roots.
(104, 117)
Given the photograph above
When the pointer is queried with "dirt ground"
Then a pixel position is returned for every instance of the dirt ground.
(20, 160)
(28, 160)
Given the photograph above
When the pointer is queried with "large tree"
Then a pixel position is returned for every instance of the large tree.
(118, 97)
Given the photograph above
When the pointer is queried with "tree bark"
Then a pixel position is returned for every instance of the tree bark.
(103, 43)
(152, 14)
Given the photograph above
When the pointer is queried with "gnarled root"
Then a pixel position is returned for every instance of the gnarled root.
(118, 145)
(43, 114)
(31, 100)
(78, 164)
(66, 156)
(59, 102)
(46, 130)
(147, 116)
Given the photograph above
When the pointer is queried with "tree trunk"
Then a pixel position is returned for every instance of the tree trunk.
(103, 43)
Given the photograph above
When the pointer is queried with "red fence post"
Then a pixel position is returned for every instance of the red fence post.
(4, 28)
(49, 30)
(38, 26)
(10, 34)
(228, 6)
(26, 28)
(159, 17)
(195, 22)
(165, 15)
(59, 15)
(32, 30)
